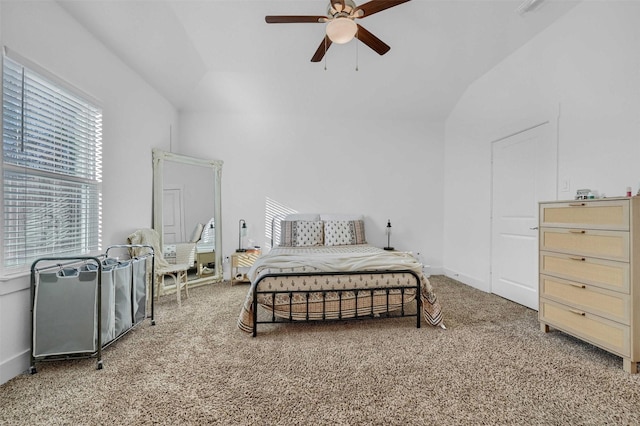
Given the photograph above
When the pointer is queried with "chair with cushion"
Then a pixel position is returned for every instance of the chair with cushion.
(162, 268)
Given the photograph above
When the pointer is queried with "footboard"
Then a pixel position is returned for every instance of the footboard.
(327, 296)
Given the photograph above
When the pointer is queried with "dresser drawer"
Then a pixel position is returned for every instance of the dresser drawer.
(607, 334)
(612, 245)
(605, 303)
(598, 272)
(605, 214)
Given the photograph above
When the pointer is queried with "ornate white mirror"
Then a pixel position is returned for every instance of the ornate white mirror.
(187, 213)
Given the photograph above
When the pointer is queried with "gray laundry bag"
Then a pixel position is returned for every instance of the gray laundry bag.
(122, 281)
(108, 302)
(65, 312)
(139, 288)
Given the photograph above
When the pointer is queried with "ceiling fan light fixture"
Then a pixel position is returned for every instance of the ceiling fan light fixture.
(341, 30)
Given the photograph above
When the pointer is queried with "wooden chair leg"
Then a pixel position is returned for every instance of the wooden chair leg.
(186, 284)
(180, 279)
(176, 279)
(159, 285)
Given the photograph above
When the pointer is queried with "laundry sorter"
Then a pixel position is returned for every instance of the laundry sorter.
(82, 304)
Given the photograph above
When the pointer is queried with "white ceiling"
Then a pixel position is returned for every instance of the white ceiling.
(220, 55)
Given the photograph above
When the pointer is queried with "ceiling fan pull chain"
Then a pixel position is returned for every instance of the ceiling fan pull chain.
(325, 53)
(357, 51)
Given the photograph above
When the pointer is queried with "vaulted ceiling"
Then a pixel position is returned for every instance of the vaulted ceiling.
(220, 55)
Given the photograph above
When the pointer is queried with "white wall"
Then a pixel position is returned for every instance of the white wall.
(584, 68)
(135, 119)
(382, 169)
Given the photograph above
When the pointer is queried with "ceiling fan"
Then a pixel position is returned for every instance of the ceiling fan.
(341, 26)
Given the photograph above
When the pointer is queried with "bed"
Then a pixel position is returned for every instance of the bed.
(323, 269)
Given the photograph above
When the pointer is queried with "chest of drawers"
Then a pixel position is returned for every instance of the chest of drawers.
(590, 275)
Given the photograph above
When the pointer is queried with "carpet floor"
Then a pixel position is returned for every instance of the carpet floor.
(492, 365)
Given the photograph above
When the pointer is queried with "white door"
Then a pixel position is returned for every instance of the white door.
(173, 214)
(524, 168)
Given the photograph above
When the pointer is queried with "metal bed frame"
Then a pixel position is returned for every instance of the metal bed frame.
(77, 260)
(324, 292)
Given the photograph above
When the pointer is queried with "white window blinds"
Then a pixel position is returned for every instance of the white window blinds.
(51, 169)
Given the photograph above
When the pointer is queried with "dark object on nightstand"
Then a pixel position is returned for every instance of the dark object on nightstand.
(388, 247)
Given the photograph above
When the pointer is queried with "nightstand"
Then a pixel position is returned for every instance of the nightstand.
(243, 259)
(204, 260)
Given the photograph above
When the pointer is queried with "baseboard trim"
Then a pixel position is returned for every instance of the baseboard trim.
(468, 280)
(15, 366)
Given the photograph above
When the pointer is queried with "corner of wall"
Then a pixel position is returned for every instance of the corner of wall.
(477, 283)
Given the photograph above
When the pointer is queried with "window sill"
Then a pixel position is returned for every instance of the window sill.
(13, 283)
(14, 276)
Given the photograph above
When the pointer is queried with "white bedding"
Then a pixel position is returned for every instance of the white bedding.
(180, 253)
(361, 257)
(202, 247)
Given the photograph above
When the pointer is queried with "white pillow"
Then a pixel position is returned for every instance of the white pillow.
(341, 217)
(309, 217)
(197, 233)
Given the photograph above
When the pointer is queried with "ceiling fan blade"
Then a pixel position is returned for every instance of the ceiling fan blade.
(322, 49)
(372, 41)
(279, 19)
(375, 6)
(338, 5)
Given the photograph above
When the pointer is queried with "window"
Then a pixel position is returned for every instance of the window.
(51, 169)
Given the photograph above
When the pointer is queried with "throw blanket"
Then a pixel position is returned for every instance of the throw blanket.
(291, 261)
(148, 237)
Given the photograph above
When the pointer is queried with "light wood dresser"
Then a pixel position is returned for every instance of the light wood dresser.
(590, 273)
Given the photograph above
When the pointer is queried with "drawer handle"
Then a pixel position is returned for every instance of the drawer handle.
(577, 312)
(579, 259)
(577, 231)
(577, 204)
(578, 285)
